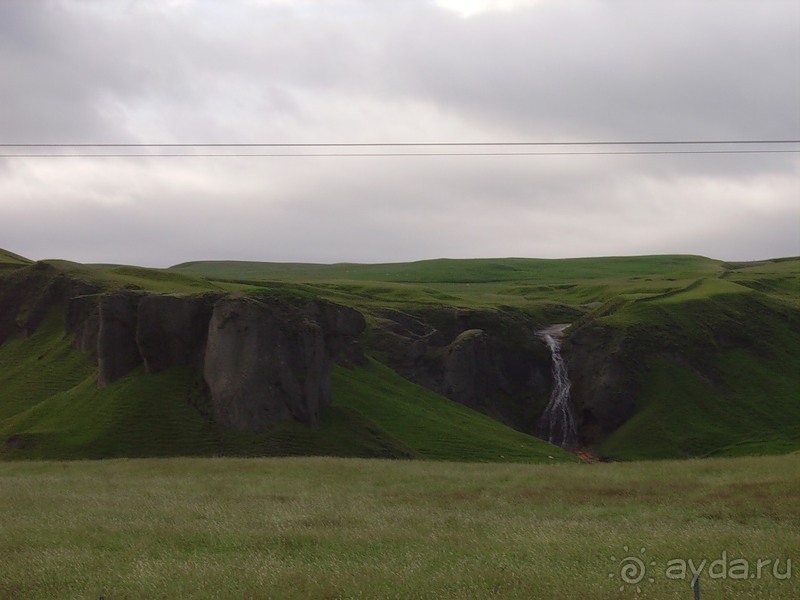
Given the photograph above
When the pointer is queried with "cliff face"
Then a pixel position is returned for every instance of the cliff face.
(267, 360)
(471, 371)
(266, 363)
(491, 361)
(263, 361)
(172, 330)
(117, 351)
(27, 294)
(604, 389)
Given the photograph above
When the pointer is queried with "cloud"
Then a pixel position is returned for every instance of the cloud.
(470, 8)
(384, 71)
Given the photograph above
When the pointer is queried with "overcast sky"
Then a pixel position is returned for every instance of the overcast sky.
(398, 71)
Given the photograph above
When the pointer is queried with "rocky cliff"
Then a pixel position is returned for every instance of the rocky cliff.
(268, 362)
(601, 362)
(27, 294)
(491, 361)
(263, 361)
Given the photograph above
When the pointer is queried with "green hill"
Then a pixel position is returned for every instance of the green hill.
(670, 356)
(718, 367)
(478, 270)
(10, 261)
(10, 257)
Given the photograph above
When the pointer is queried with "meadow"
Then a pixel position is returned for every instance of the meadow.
(317, 528)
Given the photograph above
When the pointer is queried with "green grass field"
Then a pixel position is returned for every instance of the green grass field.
(324, 528)
(471, 282)
(480, 270)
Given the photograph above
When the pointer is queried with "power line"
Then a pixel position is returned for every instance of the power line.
(640, 147)
(396, 154)
(401, 144)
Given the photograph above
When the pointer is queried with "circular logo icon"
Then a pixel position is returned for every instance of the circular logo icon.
(632, 570)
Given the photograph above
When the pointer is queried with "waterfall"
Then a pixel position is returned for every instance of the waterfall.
(557, 423)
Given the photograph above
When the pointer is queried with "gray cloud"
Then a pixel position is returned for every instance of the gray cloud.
(611, 70)
(310, 71)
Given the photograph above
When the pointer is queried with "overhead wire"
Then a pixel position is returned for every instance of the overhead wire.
(396, 154)
(639, 149)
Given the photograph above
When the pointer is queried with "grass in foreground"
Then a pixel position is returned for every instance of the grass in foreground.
(344, 528)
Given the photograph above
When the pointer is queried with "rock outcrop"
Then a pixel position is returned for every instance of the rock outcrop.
(471, 371)
(265, 364)
(28, 293)
(172, 330)
(82, 321)
(491, 361)
(117, 351)
(267, 359)
(263, 361)
(601, 361)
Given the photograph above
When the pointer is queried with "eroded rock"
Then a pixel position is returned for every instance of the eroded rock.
(265, 363)
(117, 350)
(172, 330)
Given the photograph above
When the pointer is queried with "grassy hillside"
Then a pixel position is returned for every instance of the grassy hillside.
(7, 257)
(473, 282)
(10, 261)
(711, 351)
(713, 348)
(719, 366)
(480, 270)
(429, 424)
(321, 528)
(118, 276)
(51, 407)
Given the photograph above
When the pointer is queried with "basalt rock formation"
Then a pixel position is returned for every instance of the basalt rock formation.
(266, 363)
(491, 361)
(27, 294)
(261, 360)
(604, 388)
(471, 373)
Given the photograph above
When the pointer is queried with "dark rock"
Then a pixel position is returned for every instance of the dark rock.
(14, 442)
(266, 363)
(603, 387)
(19, 290)
(342, 327)
(470, 374)
(503, 370)
(262, 362)
(172, 330)
(117, 351)
(27, 295)
(82, 320)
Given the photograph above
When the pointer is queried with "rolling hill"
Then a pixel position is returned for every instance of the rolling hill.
(670, 356)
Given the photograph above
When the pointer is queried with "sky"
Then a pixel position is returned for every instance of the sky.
(398, 72)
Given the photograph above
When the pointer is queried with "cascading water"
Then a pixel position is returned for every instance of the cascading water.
(557, 423)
